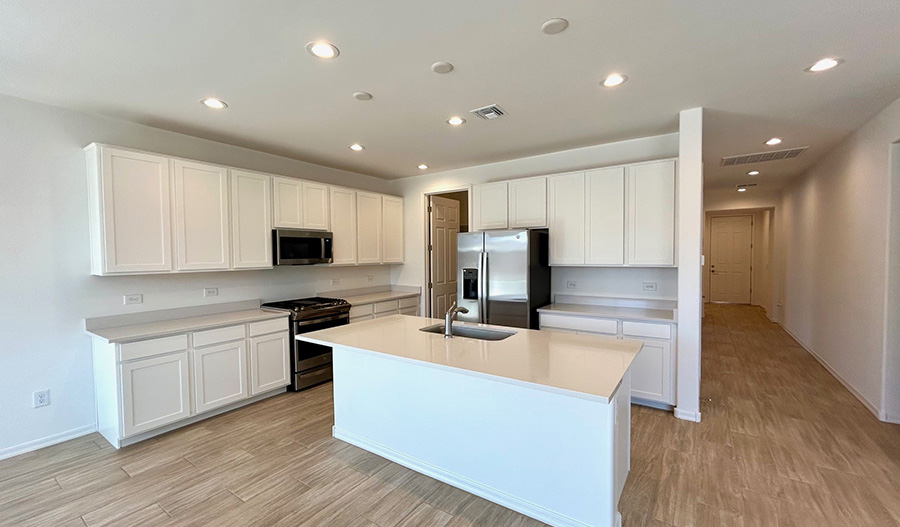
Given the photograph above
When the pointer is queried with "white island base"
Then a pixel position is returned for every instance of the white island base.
(558, 456)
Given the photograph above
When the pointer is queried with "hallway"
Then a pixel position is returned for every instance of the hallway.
(782, 442)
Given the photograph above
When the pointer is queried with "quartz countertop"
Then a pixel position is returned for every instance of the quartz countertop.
(164, 328)
(623, 313)
(371, 298)
(585, 366)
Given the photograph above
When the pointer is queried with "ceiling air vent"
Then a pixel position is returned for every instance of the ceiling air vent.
(762, 157)
(489, 112)
(747, 185)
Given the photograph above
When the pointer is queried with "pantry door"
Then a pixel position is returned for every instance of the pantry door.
(444, 219)
(731, 253)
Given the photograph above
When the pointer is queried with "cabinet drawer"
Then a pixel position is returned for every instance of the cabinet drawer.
(390, 305)
(268, 326)
(412, 301)
(645, 329)
(386, 314)
(215, 336)
(595, 325)
(149, 348)
(358, 311)
(354, 320)
(410, 311)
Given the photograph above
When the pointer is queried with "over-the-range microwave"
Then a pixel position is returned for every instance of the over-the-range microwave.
(299, 247)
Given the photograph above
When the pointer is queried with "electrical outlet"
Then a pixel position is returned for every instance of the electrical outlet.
(42, 398)
(335, 281)
(211, 291)
(130, 300)
(649, 286)
(571, 284)
(370, 278)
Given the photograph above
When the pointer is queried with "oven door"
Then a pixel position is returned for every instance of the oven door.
(297, 247)
(307, 354)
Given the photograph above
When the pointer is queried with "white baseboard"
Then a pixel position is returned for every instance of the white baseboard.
(47, 441)
(687, 416)
(489, 493)
(868, 404)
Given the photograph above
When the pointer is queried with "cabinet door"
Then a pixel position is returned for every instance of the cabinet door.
(567, 219)
(651, 372)
(288, 199)
(220, 375)
(392, 229)
(651, 214)
(528, 203)
(343, 225)
(315, 206)
(368, 227)
(202, 235)
(155, 392)
(490, 207)
(604, 194)
(133, 219)
(270, 362)
(251, 220)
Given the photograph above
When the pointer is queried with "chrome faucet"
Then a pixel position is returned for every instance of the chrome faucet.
(449, 317)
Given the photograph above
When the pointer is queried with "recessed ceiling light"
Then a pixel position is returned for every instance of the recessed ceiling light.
(554, 26)
(362, 96)
(774, 141)
(823, 65)
(614, 80)
(423, 166)
(214, 103)
(323, 50)
(455, 121)
(356, 147)
(442, 67)
(742, 189)
(753, 173)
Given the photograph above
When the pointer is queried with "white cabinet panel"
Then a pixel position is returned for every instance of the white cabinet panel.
(567, 219)
(130, 211)
(148, 348)
(155, 392)
(288, 202)
(490, 208)
(651, 214)
(651, 372)
(270, 362)
(220, 375)
(343, 225)
(251, 220)
(528, 203)
(369, 228)
(605, 216)
(315, 206)
(219, 335)
(269, 326)
(580, 324)
(392, 229)
(201, 216)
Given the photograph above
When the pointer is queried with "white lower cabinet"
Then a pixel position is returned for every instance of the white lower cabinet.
(386, 308)
(155, 392)
(651, 377)
(220, 375)
(270, 362)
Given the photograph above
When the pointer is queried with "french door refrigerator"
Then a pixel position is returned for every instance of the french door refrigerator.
(503, 276)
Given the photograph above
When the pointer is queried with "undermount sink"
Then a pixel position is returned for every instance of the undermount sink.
(470, 332)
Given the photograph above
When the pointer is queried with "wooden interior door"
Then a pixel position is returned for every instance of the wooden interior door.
(730, 259)
(444, 221)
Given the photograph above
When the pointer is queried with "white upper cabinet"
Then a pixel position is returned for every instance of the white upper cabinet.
(202, 236)
(288, 202)
(130, 211)
(490, 208)
(392, 229)
(343, 225)
(528, 203)
(369, 227)
(651, 214)
(251, 220)
(604, 194)
(315, 206)
(567, 219)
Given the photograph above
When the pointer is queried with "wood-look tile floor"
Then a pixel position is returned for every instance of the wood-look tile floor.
(782, 443)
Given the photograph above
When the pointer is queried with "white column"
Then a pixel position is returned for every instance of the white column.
(690, 247)
(891, 382)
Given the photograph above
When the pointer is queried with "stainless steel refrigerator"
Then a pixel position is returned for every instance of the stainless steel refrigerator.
(503, 277)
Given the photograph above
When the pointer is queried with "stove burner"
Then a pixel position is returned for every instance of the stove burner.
(309, 306)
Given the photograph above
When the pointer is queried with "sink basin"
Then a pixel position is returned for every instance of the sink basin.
(470, 332)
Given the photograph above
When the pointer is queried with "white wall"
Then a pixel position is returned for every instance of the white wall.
(47, 290)
(731, 199)
(835, 242)
(892, 319)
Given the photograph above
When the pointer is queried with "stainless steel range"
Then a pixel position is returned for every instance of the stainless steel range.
(311, 363)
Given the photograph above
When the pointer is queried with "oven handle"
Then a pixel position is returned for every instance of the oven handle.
(319, 320)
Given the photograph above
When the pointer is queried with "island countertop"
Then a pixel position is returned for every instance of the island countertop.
(585, 366)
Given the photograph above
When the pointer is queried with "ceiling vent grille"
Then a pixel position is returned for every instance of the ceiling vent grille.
(747, 185)
(762, 157)
(489, 112)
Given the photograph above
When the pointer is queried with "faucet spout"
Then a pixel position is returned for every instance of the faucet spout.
(449, 317)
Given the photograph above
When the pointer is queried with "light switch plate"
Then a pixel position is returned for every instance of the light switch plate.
(335, 281)
(132, 299)
(211, 291)
(649, 286)
(571, 284)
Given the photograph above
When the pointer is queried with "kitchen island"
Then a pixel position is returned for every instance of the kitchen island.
(538, 422)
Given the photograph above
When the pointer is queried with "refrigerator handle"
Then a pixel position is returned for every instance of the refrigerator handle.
(483, 286)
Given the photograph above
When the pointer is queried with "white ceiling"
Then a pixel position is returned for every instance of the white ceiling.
(151, 62)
